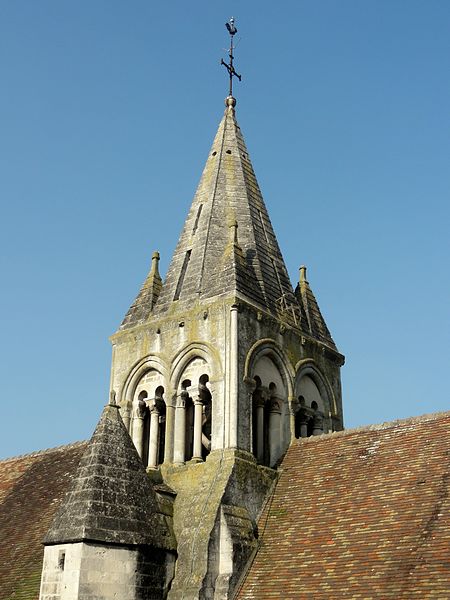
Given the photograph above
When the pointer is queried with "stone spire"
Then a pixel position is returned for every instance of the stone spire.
(204, 264)
(141, 308)
(315, 323)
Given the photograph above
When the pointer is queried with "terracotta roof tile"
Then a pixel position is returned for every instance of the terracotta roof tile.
(359, 514)
(31, 489)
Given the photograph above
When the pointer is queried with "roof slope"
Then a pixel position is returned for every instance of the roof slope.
(111, 499)
(359, 514)
(31, 489)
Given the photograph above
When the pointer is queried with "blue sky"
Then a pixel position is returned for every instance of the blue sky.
(108, 110)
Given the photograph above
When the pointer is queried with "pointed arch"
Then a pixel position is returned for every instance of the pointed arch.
(202, 350)
(268, 347)
(142, 398)
(193, 367)
(309, 367)
(148, 363)
(270, 400)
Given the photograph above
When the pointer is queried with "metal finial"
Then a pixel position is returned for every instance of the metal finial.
(232, 30)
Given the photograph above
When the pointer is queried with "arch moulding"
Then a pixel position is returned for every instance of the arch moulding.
(308, 366)
(151, 362)
(268, 347)
(195, 350)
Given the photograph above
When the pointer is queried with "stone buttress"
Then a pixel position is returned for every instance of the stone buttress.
(220, 367)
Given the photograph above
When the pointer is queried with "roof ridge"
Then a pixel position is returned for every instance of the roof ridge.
(376, 427)
(43, 451)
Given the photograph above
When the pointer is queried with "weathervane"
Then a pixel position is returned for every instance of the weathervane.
(230, 68)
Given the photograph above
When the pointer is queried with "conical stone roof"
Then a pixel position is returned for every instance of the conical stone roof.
(313, 321)
(142, 307)
(111, 499)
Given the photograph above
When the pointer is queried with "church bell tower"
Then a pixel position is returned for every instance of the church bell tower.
(219, 368)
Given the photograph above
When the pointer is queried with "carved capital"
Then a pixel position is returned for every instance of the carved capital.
(182, 399)
(318, 420)
(304, 416)
(140, 410)
(275, 404)
(156, 405)
(250, 384)
(260, 396)
(259, 402)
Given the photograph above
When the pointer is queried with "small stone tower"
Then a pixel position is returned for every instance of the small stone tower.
(112, 536)
(217, 370)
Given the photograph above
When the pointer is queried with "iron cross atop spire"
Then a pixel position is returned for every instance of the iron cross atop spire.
(229, 66)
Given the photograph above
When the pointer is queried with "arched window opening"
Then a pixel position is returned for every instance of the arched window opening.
(270, 434)
(274, 409)
(270, 426)
(193, 431)
(258, 420)
(148, 403)
(157, 433)
(140, 425)
(301, 424)
(189, 419)
(309, 418)
(193, 414)
(206, 419)
(267, 409)
(144, 426)
(317, 423)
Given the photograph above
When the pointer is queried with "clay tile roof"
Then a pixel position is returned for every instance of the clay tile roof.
(359, 514)
(31, 489)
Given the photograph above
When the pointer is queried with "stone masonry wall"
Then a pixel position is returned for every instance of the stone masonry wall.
(217, 506)
(83, 571)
